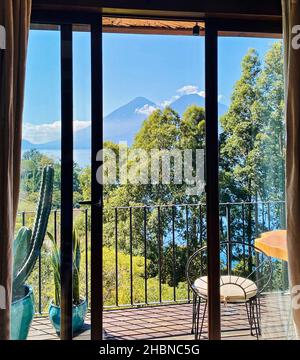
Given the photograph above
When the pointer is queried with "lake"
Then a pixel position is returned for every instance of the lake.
(81, 156)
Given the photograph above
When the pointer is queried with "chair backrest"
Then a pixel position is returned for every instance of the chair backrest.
(239, 263)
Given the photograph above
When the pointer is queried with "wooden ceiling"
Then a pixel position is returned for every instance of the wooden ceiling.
(176, 17)
(144, 26)
(179, 9)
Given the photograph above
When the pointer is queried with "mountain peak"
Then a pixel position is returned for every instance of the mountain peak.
(191, 96)
(140, 101)
(126, 111)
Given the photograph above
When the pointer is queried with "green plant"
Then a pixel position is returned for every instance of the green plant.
(55, 257)
(28, 243)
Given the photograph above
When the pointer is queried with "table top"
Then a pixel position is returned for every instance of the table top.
(274, 244)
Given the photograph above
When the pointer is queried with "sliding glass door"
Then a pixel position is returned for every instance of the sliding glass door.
(154, 189)
(252, 183)
(61, 134)
(163, 147)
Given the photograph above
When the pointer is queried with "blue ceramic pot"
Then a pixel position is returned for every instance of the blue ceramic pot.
(79, 314)
(22, 313)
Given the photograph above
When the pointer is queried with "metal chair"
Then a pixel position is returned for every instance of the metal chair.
(245, 273)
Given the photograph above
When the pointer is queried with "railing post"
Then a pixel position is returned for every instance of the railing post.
(269, 217)
(200, 225)
(263, 216)
(256, 218)
(284, 264)
(187, 243)
(243, 235)
(145, 255)
(40, 283)
(116, 257)
(86, 255)
(229, 249)
(131, 259)
(23, 218)
(201, 238)
(174, 252)
(55, 225)
(159, 253)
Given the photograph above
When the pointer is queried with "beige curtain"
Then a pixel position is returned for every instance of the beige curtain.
(15, 17)
(291, 18)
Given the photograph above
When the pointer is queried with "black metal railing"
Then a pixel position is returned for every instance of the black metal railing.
(146, 248)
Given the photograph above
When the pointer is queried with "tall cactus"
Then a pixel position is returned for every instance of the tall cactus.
(28, 243)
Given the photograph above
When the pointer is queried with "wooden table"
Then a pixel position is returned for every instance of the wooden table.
(273, 243)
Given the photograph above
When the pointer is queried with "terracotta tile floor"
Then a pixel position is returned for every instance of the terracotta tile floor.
(174, 322)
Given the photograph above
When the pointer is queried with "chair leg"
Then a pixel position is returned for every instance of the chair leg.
(198, 306)
(194, 314)
(199, 333)
(253, 314)
(247, 310)
(250, 315)
(255, 319)
(258, 316)
(259, 307)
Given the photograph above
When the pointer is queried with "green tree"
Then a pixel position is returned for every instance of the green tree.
(271, 88)
(32, 163)
(192, 128)
(241, 138)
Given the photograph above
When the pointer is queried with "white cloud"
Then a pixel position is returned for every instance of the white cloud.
(146, 109)
(188, 89)
(221, 98)
(185, 90)
(191, 89)
(168, 102)
(43, 133)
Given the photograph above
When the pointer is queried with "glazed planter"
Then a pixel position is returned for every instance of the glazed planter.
(22, 313)
(79, 314)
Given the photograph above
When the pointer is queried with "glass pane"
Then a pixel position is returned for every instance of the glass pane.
(154, 204)
(252, 180)
(42, 147)
(41, 153)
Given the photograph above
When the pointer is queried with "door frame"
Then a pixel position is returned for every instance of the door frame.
(65, 22)
(213, 29)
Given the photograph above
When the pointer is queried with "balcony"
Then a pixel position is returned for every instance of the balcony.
(145, 289)
(173, 322)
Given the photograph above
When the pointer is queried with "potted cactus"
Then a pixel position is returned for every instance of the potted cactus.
(26, 250)
(79, 304)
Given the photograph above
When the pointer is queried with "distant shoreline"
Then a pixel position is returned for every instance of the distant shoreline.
(81, 156)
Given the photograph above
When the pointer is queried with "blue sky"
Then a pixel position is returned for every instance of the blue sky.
(152, 66)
